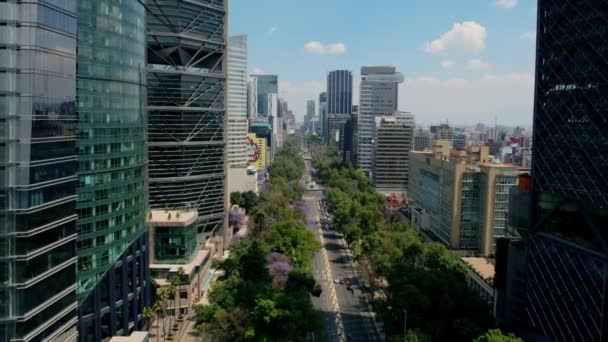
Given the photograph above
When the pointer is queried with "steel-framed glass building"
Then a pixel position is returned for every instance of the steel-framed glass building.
(187, 42)
(112, 192)
(566, 296)
(38, 166)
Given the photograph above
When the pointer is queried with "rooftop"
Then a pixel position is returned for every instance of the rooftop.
(136, 336)
(172, 218)
(173, 268)
(485, 267)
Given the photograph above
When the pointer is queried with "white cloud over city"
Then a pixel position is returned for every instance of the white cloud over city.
(530, 35)
(465, 37)
(317, 47)
(477, 64)
(272, 29)
(448, 64)
(506, 3)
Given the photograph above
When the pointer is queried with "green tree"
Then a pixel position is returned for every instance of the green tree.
(248, 200)
(495, 335)
(235, 198)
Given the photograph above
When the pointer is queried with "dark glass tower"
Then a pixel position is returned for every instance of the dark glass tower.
(112, 191)
(567, 264)
(339, 92)
(38, 165)
(186, 108)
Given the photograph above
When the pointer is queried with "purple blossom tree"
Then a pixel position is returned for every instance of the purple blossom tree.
(278, 268)
(236, 219)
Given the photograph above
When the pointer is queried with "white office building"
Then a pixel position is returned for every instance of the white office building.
(237, 101)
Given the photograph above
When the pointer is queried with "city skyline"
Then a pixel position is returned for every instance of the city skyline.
(477, 57)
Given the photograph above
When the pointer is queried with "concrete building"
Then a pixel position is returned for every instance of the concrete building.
(422, 140)
(136, 336)
(480, 279)
(187, 123)
(38, 168)
(378, 96)
(174, 252)
(460, 197)
(237, 101)
(393, 140)
(460, 140)
(443, 132)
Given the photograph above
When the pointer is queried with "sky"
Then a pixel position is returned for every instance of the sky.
(464, 61)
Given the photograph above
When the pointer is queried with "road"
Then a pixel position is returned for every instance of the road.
(346, 314)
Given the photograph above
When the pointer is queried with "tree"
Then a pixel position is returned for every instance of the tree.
(495, 335)
(149, 316)
(235, 198)
(249, 200)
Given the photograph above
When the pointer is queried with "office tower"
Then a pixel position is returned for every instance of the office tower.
(566, 263)
(38, 164)
(443, 132)
(264, 86)
(112, 194)
(422, 140)
(323, 116)
(393, 138)
(310, 113)
(237, 101)
(187, 44)
(379, 95)
(459, 140)
(252, 98)
(459, 197)
(339, 92)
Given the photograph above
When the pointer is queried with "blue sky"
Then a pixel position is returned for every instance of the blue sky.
(464, 60)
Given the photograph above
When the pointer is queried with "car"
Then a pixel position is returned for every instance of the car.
(345, 281)
(336, 281)
(349, 288)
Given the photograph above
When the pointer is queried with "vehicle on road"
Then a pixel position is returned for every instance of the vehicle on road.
(349, 288)
(336, 281)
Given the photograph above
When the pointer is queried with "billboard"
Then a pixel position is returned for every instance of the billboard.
(256, 151)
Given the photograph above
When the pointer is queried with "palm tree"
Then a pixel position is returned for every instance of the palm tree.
(149, 316)
(170, 291)
(158, 309)
(259, 217)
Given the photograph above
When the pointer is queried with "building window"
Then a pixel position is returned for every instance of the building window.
(183, 295)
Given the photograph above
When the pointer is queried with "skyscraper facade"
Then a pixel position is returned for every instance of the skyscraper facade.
(323, 116)
(379, 92)
(339, 92)
(38, 167)
(310, 113)
(265, 85)
(187, 64)
(112, 193)
(566, 297)
(237, 101)
(393, 141)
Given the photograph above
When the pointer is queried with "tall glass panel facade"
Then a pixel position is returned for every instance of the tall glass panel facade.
(186, 108)
(567, 265)
(38, 171)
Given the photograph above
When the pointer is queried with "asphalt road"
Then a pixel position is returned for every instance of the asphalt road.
(354, 321)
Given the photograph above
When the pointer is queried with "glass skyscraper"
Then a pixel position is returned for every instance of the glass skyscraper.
(112, 192)
(187, 62)
(265, 85)
(567, 264)
(237, 101)
(38, 166)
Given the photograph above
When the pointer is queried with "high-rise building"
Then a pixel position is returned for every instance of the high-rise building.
(443, 132)
(339, 92)
(459, 140)
(393, 138)
(112, 196)
(38, 164)
(252, 98)
(378, 96)
(565, 272)
(323, 116)
(459, 197)
(237, 101)
(264, 86)
(310, 113)
(422, 140)
(187, 64)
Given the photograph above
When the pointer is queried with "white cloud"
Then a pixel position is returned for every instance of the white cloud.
(506, 3)
(467, 101)
(272, 29)
(322, 49)
(448, 64)
(258, 71)
(477, 64)
(530, 35)
(468, 36)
